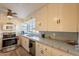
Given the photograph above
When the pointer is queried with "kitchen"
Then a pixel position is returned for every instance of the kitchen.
(39, 29)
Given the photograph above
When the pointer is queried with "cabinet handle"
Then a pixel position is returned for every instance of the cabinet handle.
(45, 48)
(39, 24)
(59, 21)
(42, 52)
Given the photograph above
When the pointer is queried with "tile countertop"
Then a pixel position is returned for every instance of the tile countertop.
(55, 44)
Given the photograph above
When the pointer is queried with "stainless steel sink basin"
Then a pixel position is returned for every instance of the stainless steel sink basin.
(71, 42)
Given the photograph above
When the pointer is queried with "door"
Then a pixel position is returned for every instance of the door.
(42, 50)
(78, 22)
(57, 52)
(53, 20)
(39, 49)
(68, 17)
(25, 43)
(78, 18)
(41, 19)
(47, 50)
(62, 17)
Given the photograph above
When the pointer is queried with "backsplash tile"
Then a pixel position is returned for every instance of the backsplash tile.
(64, 36)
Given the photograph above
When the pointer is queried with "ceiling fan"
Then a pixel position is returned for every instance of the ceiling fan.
(11, 14)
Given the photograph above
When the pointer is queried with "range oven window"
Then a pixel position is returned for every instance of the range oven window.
(8, 35)
(9, 42)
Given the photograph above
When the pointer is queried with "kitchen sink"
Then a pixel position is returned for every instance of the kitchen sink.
(71, 42)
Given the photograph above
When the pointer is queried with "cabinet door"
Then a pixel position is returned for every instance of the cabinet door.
(39, 49)
(41, 19)
(78, 22)
(53, 23)
(47, 50)
(22, 42)
(0, 43)
(68, 17)
(78, 18)
(56, 52)
(43, 50)
(25, 43)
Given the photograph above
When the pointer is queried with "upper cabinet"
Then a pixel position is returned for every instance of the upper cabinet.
(53, 20)
(41, 19)
(62, 17)
(78, 18)
(57, 17)
(68, 17)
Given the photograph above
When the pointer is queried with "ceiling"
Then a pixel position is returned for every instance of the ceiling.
(22, 9)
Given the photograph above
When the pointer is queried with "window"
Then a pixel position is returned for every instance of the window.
(29, 26)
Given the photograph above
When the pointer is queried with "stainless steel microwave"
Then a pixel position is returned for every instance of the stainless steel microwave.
(9, 27)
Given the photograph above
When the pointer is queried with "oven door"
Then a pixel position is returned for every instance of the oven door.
(9, 42)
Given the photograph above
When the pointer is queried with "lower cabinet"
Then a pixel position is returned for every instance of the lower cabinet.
(39, 50)
(44, 50)
(0, 43)
(56, 52)
(25, 43)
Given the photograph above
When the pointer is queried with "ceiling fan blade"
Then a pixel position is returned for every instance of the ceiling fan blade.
(14, 13)
(9, 10)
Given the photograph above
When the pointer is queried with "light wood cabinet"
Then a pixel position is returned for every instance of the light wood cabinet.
(44, 50)
(25, 43)
(57, 17)
(53, 20)
(0, 43)
(68, 17)
(78, 18)
(56, 52)
(41, 19)
(62, 17)
(47, 50)
(39, 49)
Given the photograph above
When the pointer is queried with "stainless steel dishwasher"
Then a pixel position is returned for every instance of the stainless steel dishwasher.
(32, 47)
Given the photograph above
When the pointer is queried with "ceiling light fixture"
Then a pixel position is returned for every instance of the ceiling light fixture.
(9, 16)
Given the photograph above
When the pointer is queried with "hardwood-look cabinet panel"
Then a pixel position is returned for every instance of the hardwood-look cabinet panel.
(78, 18)
(68, 17)
(56, 52)
(57, 17)
(62, 17)
(39, 49)
(25, 43)
(44, 50)
(53, 20)
(47, 50)
(41, 19)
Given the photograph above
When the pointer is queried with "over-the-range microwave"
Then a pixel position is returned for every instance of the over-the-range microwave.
(9, 27)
